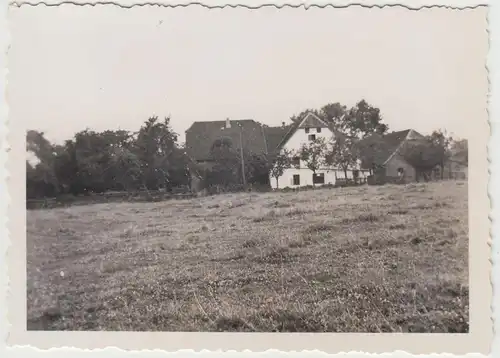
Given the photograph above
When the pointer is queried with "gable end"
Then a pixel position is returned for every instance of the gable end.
(312, 121)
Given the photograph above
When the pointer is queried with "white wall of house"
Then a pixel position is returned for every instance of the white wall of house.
(300, 137)
(305, 177)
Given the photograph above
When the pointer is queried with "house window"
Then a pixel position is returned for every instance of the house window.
(355, 174)
(296, 179)
(318, 129)
(401, 172)
(319, 178)
(312, 137)
(296, 161)
(307, 130)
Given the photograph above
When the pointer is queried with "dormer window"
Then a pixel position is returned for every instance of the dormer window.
(307, 130)
(318, 130)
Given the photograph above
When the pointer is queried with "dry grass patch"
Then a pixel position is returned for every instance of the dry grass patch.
(348, 260)
(318, 228)
(362, 218)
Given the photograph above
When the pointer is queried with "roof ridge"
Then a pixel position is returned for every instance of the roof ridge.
(232, 120)
(315, 116)
(405, 139)
(402, 130)
(295, 125)
(202, 133)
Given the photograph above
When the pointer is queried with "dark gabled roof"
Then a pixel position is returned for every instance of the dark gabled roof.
(257, 138)
(274, 136)
(201, 136)
(288, 134)
(395, 138)
(378, 149)
(310, 120)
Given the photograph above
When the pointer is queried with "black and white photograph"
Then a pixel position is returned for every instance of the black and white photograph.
(272, 170)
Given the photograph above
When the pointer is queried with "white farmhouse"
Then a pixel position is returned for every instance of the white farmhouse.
(303, 131)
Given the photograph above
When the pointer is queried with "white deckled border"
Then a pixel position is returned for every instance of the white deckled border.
(4, 42)
(494, 150)
(414, 4)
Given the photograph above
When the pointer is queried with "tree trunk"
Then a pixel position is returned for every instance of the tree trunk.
(277, 185)
(345, 174)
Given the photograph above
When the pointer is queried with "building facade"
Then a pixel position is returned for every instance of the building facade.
(310, 128)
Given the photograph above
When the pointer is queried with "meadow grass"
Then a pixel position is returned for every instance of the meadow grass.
(365, 259)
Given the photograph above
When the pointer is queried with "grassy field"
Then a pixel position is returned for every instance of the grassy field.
(366, 259)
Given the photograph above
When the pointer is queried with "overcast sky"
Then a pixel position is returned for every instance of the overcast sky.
(104, 67)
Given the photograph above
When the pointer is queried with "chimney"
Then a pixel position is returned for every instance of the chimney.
(228, 123)
(283, 124)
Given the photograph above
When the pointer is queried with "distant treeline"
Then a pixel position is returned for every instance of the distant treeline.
(152, 159)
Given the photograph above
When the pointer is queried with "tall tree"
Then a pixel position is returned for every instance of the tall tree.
(227, 168)
(364, 119)
(155, 145)
(257, 168)
(440, 139)
(335, 115)
(126, 169)
(460, 151)
(313, 154)
(343, 152)
(179, 167)
(66, 168)
(39, 146)
(37, 183)
(370, 149)
(281, 162)
(44, 151)
(109, 160)
(424, 155)
(360, 121)
(41, 178)
(93, 153)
